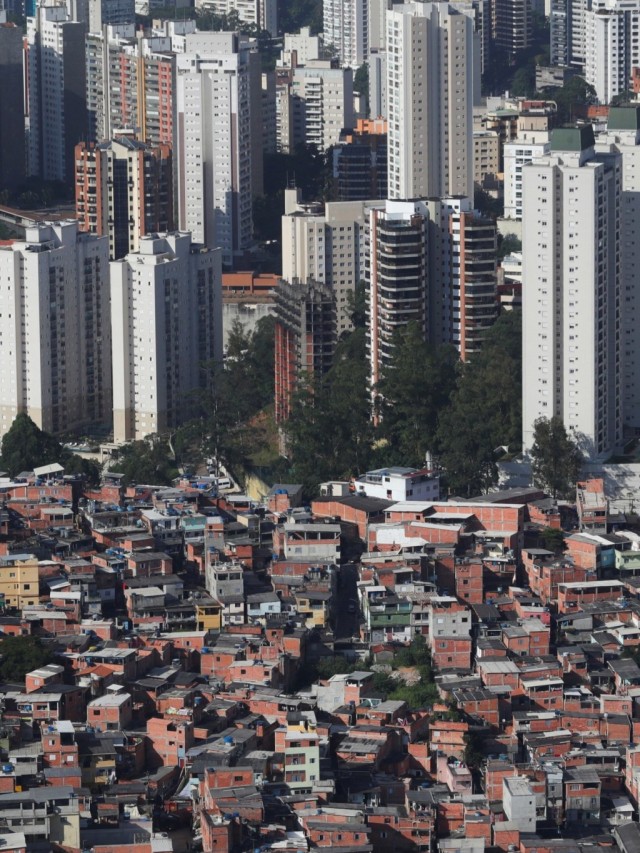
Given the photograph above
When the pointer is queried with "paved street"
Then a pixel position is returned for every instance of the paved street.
(347, 623)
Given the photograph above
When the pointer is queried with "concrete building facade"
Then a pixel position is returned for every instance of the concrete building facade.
(261, 13)
(55, 91)
(623, 136)
(131, 82)
(612, 49)
(166, 323)
(54, 317)
(314, 104)
(430, 85)
(572, 348)
(326, 245)
(214, 142)
(346, 30)
(12, 152)
(305, 337)
(124, 190)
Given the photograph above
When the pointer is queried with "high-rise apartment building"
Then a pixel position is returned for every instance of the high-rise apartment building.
(327, 245)
(623, 136)
(559, 25)
(432, 261)
(377, 14)
(612, 46)
(104, 12)
(124, 190)
(377, 64)
(572, 346)
(480, 13)
(462, 283)
(397, 277)
(300, 48)
(346, 30)
(314, 104)
(527, 147)
(305, 337)
(166, 324)
(54, 328)
(430, 85)
(12, 153)
(56, 114)
(131, 82)
(360, 162)
(572, 32)
(261, 13)
(512, 25)
(216, 142)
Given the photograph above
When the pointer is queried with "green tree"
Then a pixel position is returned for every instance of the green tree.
(413, 390)
(147, 461)
(75, 464)
(555, 457)
(357, 305)
(485, 411)
(508, 244)
(621, 99)
(20, 655)
(575, 93)
(361, 81)
(329, 433)
(523, 84)
(25, 446)
(553, 539)
(487, 204)
(293, 14)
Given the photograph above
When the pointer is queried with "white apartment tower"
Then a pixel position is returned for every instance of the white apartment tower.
(612, 46)
(430, 85)
(528, 146)
(572, 346)
(131, 81)
(326, 244)
(623, 135)
(377, 13)
(54, 328)
(346, 29)
(314, 104)
(261, 13)
(166, 323)
(213, 153)
(55, 92)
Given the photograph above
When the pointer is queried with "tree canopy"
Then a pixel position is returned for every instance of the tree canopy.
(147, 461)
(427, 400)
(330, 433)
(25, 447)
(20, 655)
(485, 413)
(413, 391)
(555, 458)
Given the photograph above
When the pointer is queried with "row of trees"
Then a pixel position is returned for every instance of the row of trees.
(427, 401)
(468, 415)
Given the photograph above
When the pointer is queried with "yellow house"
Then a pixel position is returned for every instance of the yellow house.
(209, 615)
(315, 605)
(19, 582)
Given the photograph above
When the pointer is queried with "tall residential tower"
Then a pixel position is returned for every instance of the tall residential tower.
(430, 85)
(55, 329)
(572, 346)
(166, 326)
